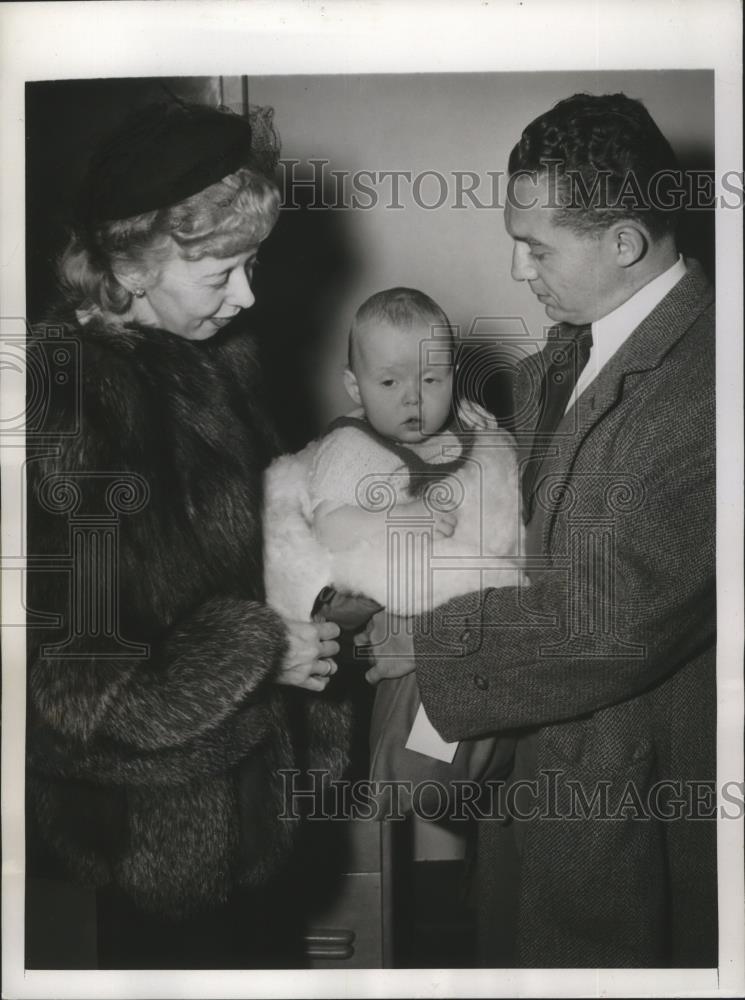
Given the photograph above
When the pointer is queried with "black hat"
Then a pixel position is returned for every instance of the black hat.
(158, 156)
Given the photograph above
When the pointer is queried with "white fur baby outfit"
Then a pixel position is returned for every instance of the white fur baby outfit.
(409, 570)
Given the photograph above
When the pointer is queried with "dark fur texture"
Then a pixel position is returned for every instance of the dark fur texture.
(159, 773)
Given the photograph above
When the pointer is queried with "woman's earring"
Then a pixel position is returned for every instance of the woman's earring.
(140, 293)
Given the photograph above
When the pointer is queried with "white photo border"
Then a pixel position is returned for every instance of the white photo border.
(48, 41)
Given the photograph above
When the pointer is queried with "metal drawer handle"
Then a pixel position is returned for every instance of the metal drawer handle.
(330, 943)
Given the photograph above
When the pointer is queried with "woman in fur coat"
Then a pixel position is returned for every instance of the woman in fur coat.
(160, 686)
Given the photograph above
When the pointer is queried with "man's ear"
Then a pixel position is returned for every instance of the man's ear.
(630, 242)
(351, 385)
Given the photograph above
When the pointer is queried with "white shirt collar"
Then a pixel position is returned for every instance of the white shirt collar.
(610, 332)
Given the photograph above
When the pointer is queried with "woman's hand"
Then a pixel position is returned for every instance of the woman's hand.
(475, 417)
(307, 663)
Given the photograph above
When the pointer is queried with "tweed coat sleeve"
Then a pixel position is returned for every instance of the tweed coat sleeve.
(510, 658)
(196, 643)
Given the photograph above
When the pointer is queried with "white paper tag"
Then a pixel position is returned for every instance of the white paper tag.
(425, 739)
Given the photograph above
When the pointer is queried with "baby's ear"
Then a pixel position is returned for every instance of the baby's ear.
(351, 385)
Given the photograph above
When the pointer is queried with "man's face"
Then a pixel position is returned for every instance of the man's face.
(571, 275)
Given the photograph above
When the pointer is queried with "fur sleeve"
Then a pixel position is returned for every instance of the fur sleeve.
(193, 679)
(208, 755)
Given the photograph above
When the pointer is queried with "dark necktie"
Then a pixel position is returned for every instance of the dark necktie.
(565, 361)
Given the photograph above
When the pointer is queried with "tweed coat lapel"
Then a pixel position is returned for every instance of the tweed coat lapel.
(644, 351)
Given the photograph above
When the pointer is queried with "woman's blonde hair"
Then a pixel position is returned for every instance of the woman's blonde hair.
(223, 220)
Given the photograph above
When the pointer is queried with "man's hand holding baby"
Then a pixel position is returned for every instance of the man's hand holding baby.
(388, 641)
(473, 417)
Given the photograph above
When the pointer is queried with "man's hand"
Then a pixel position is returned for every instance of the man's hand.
(387, 641)
(475, 417)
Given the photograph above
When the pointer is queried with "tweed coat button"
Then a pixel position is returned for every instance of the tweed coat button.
(481, 682)
(465, 636)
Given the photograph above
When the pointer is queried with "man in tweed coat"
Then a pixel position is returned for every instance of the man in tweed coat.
(604, 669)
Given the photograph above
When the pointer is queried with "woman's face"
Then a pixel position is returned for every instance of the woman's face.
(195, 298)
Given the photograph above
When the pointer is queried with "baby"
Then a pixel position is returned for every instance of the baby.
(400, 482)
(402, 504)
(402, 378)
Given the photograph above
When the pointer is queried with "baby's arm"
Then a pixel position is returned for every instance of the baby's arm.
(339, 527)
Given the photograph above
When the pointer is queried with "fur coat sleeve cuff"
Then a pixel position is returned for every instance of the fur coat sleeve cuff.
(200, 673)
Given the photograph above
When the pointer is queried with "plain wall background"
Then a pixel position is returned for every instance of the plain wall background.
(447, 123)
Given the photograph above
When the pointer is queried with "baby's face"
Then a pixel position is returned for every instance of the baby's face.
(401, 382)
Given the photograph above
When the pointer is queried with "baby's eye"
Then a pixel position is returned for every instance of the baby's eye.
(387, 382)
(431, 380)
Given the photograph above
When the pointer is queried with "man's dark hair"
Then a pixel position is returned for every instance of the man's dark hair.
(606, 160)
